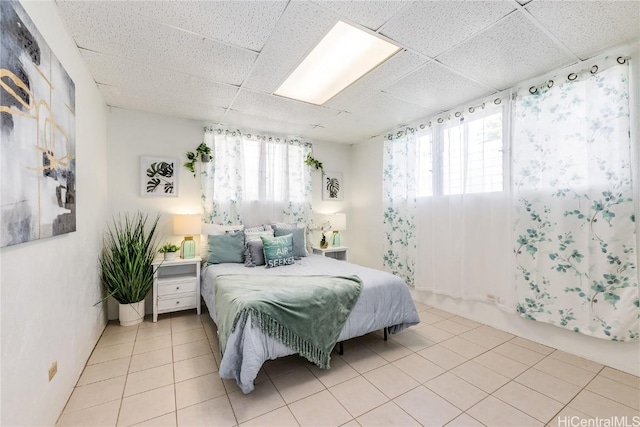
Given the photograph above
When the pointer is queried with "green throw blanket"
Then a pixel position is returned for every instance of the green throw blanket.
(305, 313)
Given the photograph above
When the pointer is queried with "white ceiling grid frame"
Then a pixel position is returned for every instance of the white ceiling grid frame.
(243, 24)
(371, 14)
(158, 104)
(113, 71)
(300, 28)
(278, 108)
(513, 50)
(146, 40)
(433, 20)
(396, 67)
(437, 88)
(574, 26)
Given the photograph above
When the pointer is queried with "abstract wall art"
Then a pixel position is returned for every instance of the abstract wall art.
(158, 176)
(37, 134)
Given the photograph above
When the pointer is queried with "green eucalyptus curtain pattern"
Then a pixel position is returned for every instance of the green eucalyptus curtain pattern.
(222, 177)
(399, 203)
(254, 179)
(574, 221)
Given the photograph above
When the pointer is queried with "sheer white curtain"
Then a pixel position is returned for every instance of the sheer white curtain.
(463, 208)
(446, 206)
(254, 179)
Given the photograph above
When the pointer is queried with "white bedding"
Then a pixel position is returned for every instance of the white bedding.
(384, 301)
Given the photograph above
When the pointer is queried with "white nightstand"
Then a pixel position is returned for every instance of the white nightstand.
(337, 252)
(176, 285)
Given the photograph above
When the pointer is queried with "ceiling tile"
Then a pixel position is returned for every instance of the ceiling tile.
(246, 24)
(384, 112)
(162, 104)
(300, 28)
(248, 122)
(347, 128)
(370, 14)
(278, 108)
(507, 53)
(589, 27)
(432, 27)
(104, 27)
(399, 65)
(114, 71)
(437, 88)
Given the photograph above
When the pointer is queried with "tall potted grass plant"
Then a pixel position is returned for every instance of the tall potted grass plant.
(126, 261)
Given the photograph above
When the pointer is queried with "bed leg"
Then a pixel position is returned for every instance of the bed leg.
(340, 349)
(385, 333)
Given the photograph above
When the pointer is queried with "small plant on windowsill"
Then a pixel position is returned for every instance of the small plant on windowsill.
(170, 251)
(203, 151)
(314, 163)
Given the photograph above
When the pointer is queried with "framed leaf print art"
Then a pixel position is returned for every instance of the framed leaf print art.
(158, 176)
(332, 186)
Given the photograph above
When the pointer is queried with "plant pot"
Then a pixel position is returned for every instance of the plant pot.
(205, 158)
(170, 256)
(131, 314)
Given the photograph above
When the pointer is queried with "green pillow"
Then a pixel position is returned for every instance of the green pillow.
(278, 250)
(228, 247)
(298, 238)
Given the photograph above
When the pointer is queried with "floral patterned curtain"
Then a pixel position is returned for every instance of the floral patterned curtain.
(254, 179)
(399, 204)
(222, 177)
(574, 219)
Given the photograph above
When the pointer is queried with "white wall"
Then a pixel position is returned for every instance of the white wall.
(335, 158)
(49, 287)
(366, 204)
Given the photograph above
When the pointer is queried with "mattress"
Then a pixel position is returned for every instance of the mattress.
(384, 302)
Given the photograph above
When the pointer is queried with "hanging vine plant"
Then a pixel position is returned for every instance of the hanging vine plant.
(203, 151)
(314, 163)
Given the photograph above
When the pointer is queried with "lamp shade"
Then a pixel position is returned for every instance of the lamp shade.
(338, 221)
(187, 225)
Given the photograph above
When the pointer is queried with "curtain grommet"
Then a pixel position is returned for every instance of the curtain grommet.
(550, 84)
(497, 101)
(533, 90)
(440, 120)
(471, 109)
(572, 76)
(594, 69)
(621, 60)
(458, 114)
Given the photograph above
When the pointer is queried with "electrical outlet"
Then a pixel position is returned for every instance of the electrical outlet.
(53, 370)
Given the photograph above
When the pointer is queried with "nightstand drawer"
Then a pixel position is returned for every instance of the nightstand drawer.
(185, 301)
(177, 287)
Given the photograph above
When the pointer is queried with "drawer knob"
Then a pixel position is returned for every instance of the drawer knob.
(177, 302)
(177, 287)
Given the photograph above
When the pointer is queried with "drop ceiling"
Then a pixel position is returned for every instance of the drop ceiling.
(220, 61)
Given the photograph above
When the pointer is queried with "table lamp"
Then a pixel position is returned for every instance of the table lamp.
(187, 225)
(338, 223)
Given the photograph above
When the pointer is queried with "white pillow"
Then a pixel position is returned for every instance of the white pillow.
(250, 236)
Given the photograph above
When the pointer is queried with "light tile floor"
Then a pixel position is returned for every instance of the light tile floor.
(447, 370)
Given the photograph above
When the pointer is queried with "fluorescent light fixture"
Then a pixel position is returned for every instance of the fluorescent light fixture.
(343, 56)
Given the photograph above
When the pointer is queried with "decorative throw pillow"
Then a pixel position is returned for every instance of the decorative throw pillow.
(299, 249)
(278, 250)
(250, 236)
(214, 229)
(254, 253)
(227, 247)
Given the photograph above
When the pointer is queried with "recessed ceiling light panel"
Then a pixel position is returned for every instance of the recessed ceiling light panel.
(343, 56)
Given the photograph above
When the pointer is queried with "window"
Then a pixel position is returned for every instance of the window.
(462, 158)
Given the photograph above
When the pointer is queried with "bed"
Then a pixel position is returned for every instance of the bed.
(384, 302)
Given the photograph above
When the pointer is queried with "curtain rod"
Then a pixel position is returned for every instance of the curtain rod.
(276, 139)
